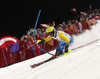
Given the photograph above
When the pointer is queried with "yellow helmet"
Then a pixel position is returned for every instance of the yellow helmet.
(50, 29)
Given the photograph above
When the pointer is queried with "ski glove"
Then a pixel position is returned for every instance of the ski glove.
(40, 41)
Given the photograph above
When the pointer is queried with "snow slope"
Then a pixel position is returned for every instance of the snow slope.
(82, 63)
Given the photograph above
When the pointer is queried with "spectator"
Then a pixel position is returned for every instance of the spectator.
(90, 16)
(61, 25)
(77, 27)
(83, 19)
(57, 27)
(23, 38)
(87, 18)
(99, 10)
(89, 21)
(71, 29)
(96, 11)
(60, 28)
(66, 30)
(43, 31)
(93, 15)
(66, 25)
(38, 31)
(73, 21)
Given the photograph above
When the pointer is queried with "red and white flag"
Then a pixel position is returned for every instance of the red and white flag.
(63, 23)
(47, 25)
(7, 40)
(73, 9)
(83, 13)
(53, 24)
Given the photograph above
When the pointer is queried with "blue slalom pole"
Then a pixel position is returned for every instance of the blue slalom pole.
(36, 24)
(35, 37)
(5, 58)
(32, 48)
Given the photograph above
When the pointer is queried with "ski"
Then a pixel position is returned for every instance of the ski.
(36, 65)
(40, 63)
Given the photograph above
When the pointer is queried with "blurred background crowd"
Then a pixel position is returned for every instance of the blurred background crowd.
(73, 27)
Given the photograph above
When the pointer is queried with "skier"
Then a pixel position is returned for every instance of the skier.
(63, 39)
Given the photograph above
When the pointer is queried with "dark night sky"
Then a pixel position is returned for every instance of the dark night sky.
(17, 15)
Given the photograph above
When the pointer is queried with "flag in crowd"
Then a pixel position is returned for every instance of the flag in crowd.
(47, 25)
(53, 24)
(73, 9)
(83, 13)
(44, 25)
(90, 7)
(7, 40)
(63, 23)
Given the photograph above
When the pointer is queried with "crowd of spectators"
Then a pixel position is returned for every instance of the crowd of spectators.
(74, 26)
(30, 33)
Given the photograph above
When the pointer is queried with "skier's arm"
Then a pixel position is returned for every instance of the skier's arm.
(48, 38)
(44, 40)
(61, 35)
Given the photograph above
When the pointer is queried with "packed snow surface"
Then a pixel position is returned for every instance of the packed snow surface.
(82, 63)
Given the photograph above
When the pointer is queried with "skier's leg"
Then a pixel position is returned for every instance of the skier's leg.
(66, 50)
(66, 47)
(58, 52)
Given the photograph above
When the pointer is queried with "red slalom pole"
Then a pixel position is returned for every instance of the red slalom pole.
(85, 44)
(26, 48)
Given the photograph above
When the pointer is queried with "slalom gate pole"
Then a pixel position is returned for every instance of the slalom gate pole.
(4, 57)
(85, 44)
(11, 56)
(35, 37)
(32, 48)
(26, 48)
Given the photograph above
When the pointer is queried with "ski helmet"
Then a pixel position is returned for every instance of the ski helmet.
(50, 29)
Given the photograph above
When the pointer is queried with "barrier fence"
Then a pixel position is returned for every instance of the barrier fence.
(8, 58)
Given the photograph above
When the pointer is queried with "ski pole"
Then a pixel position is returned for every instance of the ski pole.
(35, 37)
(26, 48)
(85, 44)
(46, 51)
